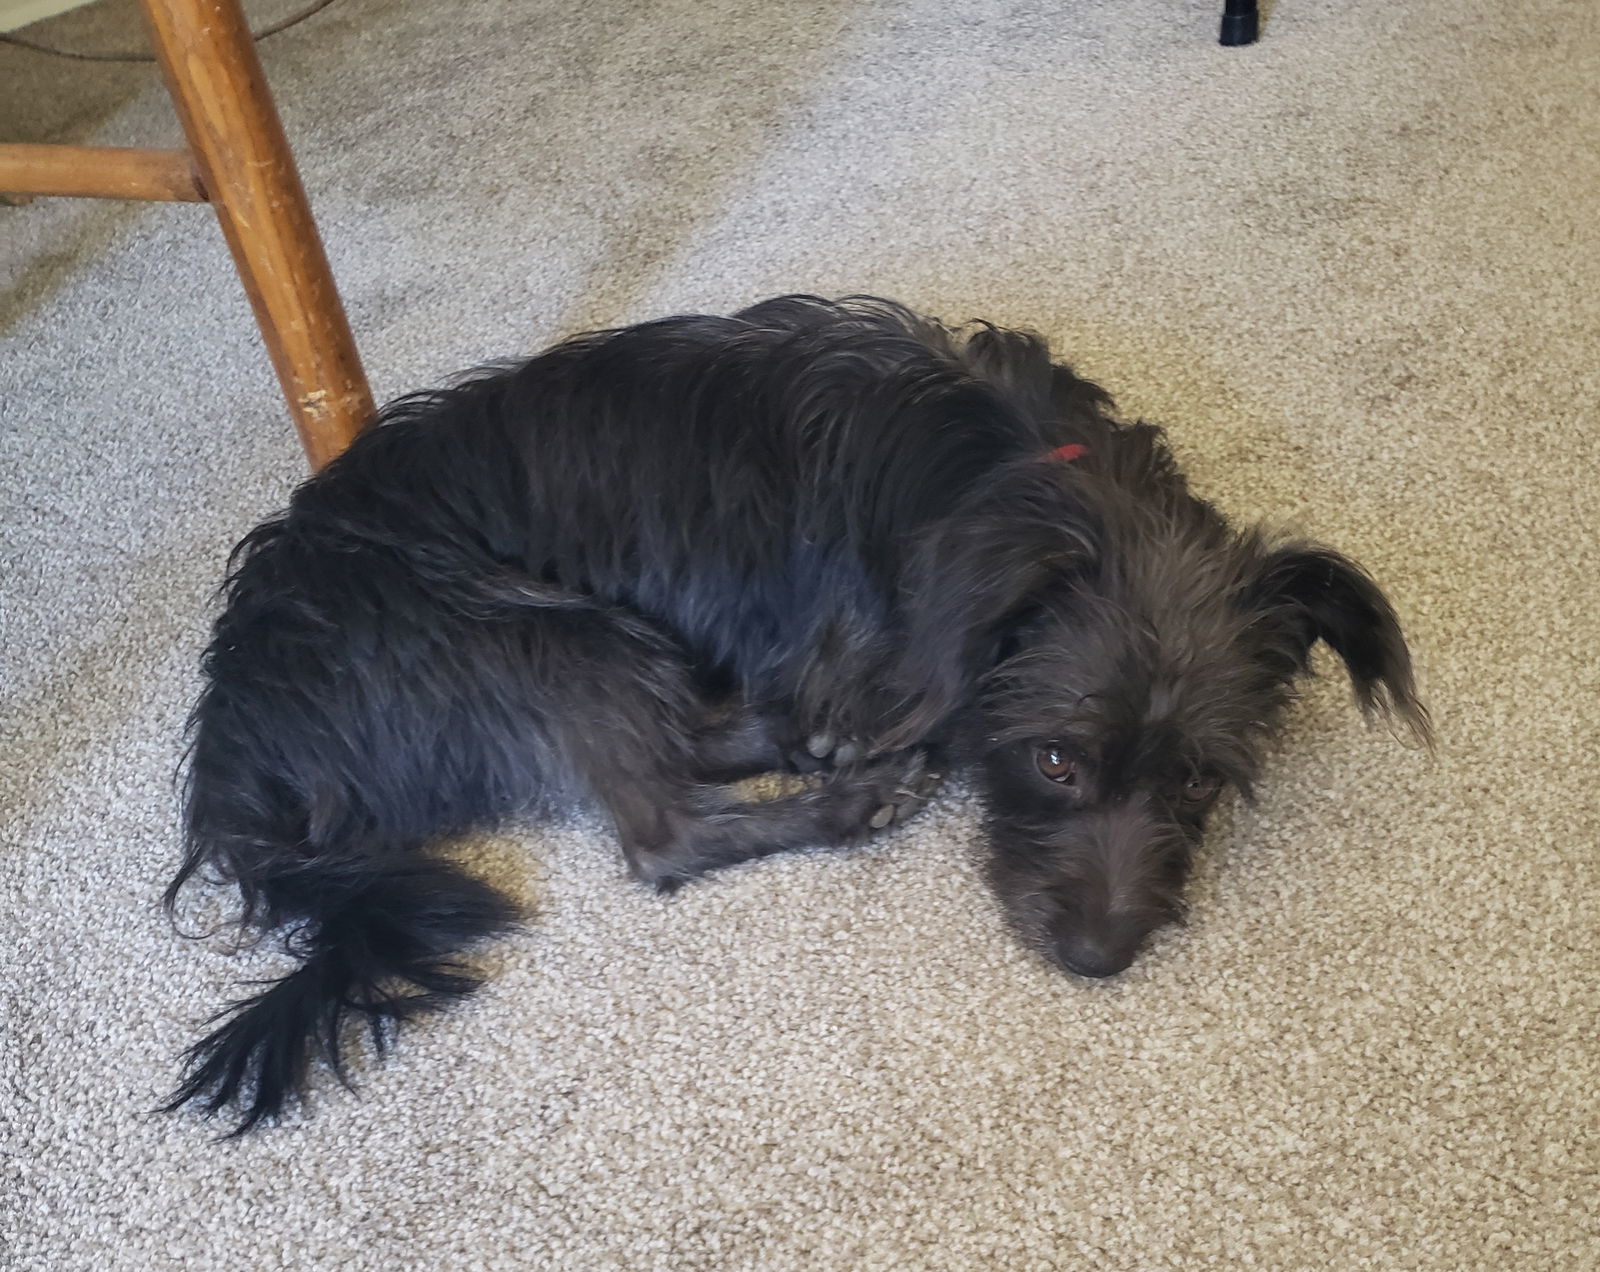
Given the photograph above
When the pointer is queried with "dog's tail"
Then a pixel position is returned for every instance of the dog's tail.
(380, 951)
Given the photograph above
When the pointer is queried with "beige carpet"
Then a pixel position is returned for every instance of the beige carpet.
(1355, 269)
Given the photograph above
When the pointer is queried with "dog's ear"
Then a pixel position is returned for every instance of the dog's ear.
(972, 580)
(1320, 595)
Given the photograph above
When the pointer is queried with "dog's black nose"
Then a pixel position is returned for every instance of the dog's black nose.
(1087, 957)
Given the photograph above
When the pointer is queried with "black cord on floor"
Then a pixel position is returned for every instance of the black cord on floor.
(316, 7)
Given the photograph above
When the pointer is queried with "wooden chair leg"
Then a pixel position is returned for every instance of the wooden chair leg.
(248, 172)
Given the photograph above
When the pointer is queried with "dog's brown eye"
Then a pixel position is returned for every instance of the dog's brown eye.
(1197, 790)
(1056, 766)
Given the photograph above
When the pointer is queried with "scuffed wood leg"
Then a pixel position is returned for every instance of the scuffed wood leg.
(247, 171)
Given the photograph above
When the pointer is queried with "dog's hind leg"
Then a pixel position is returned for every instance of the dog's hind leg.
(318, 786)
(630, 720)
(673, 836)
(743, 742)
(739, 743)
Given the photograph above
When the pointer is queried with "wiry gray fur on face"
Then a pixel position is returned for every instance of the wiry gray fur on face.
(1158, 663)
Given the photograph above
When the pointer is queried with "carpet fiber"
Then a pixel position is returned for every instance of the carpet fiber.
(1355, 270)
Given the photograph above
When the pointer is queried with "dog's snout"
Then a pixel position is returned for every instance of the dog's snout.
(1092, 957)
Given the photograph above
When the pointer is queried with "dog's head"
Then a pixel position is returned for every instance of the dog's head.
(1140, 659)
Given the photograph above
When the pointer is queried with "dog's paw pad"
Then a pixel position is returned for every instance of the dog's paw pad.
(824, 750)
(904, 784)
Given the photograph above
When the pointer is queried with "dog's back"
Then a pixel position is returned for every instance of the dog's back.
(776, 465)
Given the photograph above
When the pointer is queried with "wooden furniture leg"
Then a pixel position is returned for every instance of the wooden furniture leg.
(240, 161)
(245, 165)
(100, 172)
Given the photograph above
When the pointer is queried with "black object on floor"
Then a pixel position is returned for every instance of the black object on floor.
(1241, 22)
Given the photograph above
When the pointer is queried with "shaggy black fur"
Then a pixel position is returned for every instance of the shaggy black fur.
(647, 561)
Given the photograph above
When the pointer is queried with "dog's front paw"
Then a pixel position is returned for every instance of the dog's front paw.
(893, 788)
(821, 750)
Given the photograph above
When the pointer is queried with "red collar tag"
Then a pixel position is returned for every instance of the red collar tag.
(1071, 451)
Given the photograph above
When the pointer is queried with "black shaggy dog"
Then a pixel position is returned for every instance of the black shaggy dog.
(814, 535)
